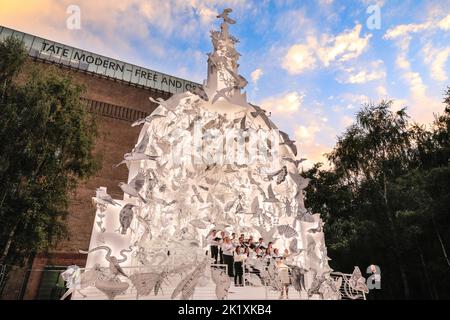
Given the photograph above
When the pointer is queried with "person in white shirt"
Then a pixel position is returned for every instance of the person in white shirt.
(227, 253)
(276, 253)
(261, 244)
(239, 258)
(214, 244)
(249, 242)
(222, 237)
(252, 253)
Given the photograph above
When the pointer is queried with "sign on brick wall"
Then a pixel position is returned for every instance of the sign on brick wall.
(84, 60)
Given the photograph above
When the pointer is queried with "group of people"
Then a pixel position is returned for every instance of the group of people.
(233, 251)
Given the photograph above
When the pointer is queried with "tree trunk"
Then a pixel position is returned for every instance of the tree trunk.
(438, 235)
(396, 242)
(8, 244)
(425, 272)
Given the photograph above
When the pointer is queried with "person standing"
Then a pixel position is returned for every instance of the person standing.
(250, 243)
(214, 244)
(276, 253)
(222, 237)
(261, 244)
(239, 258)
(227, 253)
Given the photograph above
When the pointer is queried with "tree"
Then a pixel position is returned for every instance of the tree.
(47, 141)
(386, 200)
(374, 150)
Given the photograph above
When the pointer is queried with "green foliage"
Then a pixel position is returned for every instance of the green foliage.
(386, 200)
(47, 141)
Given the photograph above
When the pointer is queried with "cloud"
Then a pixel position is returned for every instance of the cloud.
(360, 75)
(308, 146)
(345, 46)
(405, 29)
(436, 58)
(381, 91)
(306, 133)
(444, 24)
(256, 75)
(325, 2)
(151, 33)
(353, 101)
(284, 104)
(421, 105)
(301, 57)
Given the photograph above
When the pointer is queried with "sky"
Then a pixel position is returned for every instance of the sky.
(312, 64)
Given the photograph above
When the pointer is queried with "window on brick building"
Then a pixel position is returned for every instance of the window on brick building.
(51, 286)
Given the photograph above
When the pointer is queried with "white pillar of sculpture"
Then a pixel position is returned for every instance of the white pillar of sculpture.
(223, 69)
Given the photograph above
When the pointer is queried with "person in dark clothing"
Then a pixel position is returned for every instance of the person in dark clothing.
(214, 243)
(222, 236)
(227, 250)
(239, 259)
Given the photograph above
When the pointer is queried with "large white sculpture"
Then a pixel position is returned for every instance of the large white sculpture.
(206, 159)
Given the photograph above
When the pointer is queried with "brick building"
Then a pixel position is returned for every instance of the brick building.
(117, 92)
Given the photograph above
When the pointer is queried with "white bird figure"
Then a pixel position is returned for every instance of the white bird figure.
(129, 190)
(197, 194)
(255, 209)
(222, 281)
(253, 279)
(287, 231)
(147, 235)
(187, 286)
(134, 156)
(161, 168)
(287, 207)
(216, 59)
(126, 217)
(280, 174)
(259, 111)
(199, 91)
(164, 202)
(357, 281)
(240, 81)
(293, 247)
(105, 198)
(199, 224)
(298, 277)
(318, 229)
(225, 16)
(78, 281)
(229, 169)
(115, 268)
(163, 145)
(295, 161)
(222, 94)
(170, 104)
(301, 182)
(264, 116)
(114, 263)
(288, 142)
(142, 145)
(147, 119)
(270, 195)
(268, 236)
